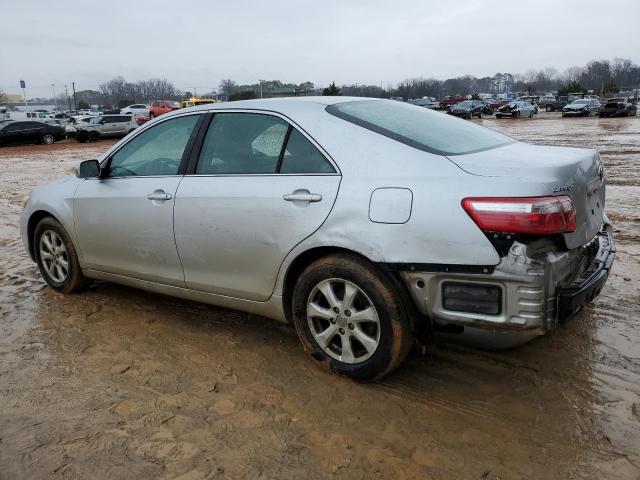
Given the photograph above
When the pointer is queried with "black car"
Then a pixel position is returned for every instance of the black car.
(468, 109)
(30, 132)
(618, 107)
(553, 104)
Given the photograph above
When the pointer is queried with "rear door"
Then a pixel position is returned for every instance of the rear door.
(257, 188)
(109, 125)
(122, 124)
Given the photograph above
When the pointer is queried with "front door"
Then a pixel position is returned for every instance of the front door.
(124, 222)
(249, 202)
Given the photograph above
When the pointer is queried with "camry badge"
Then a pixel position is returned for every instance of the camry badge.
(563, 188)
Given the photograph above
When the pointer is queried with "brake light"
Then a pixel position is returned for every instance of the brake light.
(525, 215)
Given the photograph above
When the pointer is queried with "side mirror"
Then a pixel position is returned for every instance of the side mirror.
(88, 169)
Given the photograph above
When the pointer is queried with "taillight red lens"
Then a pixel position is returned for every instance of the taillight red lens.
(525, 215)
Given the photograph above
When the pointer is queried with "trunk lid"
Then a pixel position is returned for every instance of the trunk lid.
(576, 172)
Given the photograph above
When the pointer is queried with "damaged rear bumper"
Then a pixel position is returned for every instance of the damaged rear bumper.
(535, 287)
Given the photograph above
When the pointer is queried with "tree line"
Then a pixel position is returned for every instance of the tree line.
(600, 76)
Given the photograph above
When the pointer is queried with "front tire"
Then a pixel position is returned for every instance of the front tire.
(351, 318)
(47, 139)
(56, 257)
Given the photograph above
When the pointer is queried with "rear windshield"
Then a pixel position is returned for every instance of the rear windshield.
(419, 127)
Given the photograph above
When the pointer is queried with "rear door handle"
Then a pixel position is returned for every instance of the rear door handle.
(302, 197)
(160, 195)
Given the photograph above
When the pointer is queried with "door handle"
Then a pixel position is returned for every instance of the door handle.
(302, 197)
(159, 195)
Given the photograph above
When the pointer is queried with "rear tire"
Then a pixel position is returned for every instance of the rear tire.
(361, 329)
(93, 137)
(56, 257)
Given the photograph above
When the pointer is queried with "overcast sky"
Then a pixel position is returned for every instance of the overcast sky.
(196, 43)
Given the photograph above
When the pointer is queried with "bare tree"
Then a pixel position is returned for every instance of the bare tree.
(228, 87)
(572, 74)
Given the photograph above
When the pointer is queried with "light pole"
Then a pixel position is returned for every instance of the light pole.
(55, 102)
(68, 99)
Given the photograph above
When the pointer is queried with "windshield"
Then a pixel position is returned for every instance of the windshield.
(465, 104)
(418, 127)
(172, 103)
(581, 102)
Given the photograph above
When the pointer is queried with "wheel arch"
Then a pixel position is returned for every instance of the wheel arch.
(34, 219)
(306, 258)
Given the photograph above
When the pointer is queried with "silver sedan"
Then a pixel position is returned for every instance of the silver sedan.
(366, 223)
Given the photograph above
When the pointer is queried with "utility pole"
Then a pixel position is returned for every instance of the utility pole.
(195, 94)
(75, 103)
(68, 99)
(55, 102)
(260, 81)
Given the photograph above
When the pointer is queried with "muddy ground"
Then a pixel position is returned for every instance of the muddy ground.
(118, 383)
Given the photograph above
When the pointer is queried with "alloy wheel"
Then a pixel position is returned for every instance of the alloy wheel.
(48, 139)
(54, 256)
(343, 320)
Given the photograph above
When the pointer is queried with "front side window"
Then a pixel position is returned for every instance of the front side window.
(242, 143)
(156, 151)
(418, 127)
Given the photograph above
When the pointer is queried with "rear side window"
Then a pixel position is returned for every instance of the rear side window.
(242, 143)
(301, 156)
(419, 127)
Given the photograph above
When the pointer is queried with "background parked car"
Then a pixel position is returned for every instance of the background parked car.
(516, 110)
(552, 104)
(71, 127)
(107, 126)
(533, 100)
(582, 107)
(56, 121)
(467, 109)
(618, 107)
(450, 100)
(135, 109)
(193, 102)
(159, 107)
(30, 132)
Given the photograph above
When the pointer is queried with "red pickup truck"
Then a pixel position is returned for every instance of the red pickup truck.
(159, 107)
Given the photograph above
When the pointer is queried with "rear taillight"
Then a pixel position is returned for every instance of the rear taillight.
(524, 215)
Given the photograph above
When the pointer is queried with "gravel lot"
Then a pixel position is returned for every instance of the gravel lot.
(119, 383)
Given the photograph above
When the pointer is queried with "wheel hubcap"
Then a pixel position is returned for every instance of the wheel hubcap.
(343, 320)
(54, 257)
(48, 139)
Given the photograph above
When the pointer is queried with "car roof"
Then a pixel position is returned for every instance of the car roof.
(283, 105)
